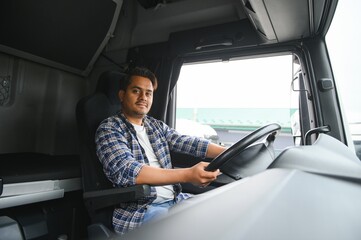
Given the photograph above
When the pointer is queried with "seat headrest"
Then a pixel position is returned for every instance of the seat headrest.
(109, 84)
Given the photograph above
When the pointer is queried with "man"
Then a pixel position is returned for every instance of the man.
(135, 149)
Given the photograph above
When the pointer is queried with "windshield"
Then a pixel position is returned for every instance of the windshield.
(224, 101)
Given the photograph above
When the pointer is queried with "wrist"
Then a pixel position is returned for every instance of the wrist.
(185, 174)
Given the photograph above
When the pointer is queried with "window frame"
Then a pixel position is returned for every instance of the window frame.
(264, 51)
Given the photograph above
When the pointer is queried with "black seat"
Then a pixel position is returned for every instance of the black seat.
(99, 195)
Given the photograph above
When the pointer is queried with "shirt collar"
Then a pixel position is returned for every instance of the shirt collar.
(129, 124)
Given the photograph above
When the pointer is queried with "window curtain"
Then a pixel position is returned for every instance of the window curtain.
(166, 67)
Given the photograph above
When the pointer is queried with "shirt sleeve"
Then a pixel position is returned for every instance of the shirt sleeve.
(119, 163)
(177, 142)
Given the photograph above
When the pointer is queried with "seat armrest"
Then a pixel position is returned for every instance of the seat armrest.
(95, 200)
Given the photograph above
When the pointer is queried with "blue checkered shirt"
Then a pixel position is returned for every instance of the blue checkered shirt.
(123, 157)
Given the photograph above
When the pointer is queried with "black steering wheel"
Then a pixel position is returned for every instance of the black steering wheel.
(223, 158)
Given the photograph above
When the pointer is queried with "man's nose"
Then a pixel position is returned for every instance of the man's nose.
(142, 95)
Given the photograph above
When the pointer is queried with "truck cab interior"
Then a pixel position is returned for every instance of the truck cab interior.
(60, 67)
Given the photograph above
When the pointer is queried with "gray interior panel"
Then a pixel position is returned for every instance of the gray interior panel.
(272, 205)
(326, 156)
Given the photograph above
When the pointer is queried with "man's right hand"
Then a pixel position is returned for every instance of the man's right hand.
(200, 177)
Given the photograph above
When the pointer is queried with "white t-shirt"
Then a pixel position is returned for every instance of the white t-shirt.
(164, 193)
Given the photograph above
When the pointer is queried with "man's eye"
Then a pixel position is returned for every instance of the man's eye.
(149, 94)
(136, 91)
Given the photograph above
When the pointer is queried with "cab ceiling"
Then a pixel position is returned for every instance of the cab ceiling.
(275, 20)
(70, 35)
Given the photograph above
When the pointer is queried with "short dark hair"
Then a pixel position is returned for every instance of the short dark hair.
(141, 72)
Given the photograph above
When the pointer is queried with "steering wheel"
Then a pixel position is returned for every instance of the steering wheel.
(242, 144)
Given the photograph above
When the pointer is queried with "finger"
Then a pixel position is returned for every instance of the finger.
(214, 173)
(208, 180)
(209, 176)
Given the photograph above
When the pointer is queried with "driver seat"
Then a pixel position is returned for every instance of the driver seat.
(99, 195)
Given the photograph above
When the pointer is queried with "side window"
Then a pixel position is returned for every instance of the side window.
(223, 101)
(344, 51)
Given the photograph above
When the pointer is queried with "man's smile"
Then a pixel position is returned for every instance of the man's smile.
(141, 104)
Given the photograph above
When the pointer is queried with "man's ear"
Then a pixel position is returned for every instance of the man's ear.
(121, 95)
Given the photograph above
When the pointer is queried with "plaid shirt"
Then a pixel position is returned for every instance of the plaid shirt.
(123, 157)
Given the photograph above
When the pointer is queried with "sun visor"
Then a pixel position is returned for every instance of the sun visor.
(284, 20)
(257, 13)
(64, 34)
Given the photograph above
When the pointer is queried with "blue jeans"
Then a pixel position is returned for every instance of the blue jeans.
(157, 209)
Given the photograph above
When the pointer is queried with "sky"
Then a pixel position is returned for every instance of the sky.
(237, 84)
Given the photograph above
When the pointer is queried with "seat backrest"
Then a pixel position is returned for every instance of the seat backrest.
(99, 195)
(90, 111)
